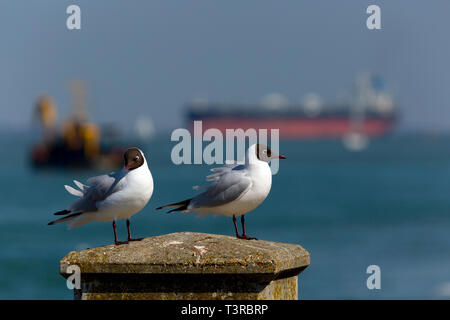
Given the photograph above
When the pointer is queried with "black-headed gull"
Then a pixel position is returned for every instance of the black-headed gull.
(111, 197)
(236, 190)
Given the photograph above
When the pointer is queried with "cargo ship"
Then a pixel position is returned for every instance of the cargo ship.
(368, 111)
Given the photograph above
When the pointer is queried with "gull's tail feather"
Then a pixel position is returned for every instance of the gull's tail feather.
(61, 213)
(73, 191)
(75, 220)
(179, 206)
(79, 185)
(65, 219)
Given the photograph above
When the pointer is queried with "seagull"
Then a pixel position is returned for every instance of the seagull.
(111, 197)
(236, 189)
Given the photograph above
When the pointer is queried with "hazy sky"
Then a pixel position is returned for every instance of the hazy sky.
(150, 57)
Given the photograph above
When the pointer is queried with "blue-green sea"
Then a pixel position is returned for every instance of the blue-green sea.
(388, 205)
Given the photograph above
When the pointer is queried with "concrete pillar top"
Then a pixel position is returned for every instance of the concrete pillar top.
(191, 253)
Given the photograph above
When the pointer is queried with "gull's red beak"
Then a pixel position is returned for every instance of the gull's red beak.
(127, 167)
(280, 156)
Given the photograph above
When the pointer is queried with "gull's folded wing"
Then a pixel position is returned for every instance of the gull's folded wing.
(229, 186)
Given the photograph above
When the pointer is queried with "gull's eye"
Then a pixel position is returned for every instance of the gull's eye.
(136, 158)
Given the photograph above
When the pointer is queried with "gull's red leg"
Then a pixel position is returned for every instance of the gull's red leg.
(129, 233)
(244, 234)
(235, 227)
(117, 242)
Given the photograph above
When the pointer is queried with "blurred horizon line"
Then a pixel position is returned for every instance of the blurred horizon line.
(401, 131)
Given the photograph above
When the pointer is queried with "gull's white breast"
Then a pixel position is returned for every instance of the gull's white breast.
(135, 193)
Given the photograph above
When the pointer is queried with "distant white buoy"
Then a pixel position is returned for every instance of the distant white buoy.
(274, 101)
(145, 128)
(355, 141)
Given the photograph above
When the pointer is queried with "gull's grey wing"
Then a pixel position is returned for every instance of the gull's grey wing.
(219, 171)
(98, 189)
(229, 186)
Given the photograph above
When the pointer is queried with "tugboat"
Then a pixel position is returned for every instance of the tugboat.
(77, 143)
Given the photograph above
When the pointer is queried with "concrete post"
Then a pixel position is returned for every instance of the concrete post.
(191, 266)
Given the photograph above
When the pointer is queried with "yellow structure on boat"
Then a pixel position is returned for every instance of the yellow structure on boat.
(77, 143)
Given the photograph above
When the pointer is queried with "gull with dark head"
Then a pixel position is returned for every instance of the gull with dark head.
(236, 189)
(111, 197)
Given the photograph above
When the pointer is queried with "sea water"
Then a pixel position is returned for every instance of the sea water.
(388, 205)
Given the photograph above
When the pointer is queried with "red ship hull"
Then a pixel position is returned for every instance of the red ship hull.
(303, 128)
